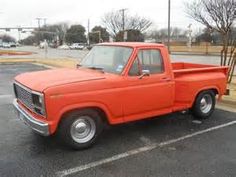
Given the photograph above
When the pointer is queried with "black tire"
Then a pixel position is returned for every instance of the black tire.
(69, 127)
(203, 109)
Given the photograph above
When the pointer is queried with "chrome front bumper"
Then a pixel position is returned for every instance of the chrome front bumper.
(37, 125)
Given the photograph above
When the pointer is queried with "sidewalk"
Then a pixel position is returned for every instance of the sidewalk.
(232, 97)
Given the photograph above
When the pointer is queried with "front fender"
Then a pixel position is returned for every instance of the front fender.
(110, 118)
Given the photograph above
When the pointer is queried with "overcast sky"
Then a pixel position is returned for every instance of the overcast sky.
(15, 13)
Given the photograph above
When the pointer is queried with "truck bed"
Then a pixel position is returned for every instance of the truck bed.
(183, 68)
(191, 78)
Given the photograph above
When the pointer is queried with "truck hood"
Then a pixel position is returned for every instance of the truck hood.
(42, 80)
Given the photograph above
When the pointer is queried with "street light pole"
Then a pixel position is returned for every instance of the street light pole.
(38, 19)
(123, 21)
(168, 41)
(39, 34)
(88, 33)
(45, 22)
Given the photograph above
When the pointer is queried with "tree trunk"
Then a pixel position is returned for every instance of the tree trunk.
(231, 72)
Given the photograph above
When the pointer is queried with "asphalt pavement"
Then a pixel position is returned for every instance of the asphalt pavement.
(174, 145)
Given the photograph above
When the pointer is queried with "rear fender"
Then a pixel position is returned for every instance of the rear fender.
(217, 89)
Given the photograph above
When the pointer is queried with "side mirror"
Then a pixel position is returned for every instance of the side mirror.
(145, 72)
(78, 65)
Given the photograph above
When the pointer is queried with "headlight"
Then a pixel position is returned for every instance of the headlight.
(38, 102)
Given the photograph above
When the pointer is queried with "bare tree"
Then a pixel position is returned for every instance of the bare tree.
(220, 16)
(113, 21)
(138, 23)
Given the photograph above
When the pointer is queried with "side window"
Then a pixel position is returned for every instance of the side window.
(134, 70)
(151, 60)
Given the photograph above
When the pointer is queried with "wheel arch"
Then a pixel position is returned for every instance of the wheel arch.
(211, 88)
(104, 115)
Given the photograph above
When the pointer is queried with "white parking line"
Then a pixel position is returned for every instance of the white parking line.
(137, 151)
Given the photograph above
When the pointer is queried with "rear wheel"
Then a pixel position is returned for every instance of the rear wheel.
(80, 129)
(204, 104)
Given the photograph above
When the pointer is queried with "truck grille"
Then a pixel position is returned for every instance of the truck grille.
(24, 95)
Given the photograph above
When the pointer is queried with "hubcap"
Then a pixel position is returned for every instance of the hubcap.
(206, 103)
(83, 129)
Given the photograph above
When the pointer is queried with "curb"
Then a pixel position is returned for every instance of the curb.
(226, 107)
(228, 102)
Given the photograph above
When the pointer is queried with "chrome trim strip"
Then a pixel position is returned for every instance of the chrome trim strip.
(24, 87)
(37, 125)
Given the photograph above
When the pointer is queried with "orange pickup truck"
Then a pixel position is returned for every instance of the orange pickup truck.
(115, 83)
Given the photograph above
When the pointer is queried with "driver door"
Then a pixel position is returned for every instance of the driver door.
(151, 93)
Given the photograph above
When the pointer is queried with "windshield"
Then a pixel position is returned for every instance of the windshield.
(111, 59)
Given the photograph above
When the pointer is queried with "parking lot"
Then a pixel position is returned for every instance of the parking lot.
(175, 145)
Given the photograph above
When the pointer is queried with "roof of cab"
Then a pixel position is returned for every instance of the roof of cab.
(133, 44)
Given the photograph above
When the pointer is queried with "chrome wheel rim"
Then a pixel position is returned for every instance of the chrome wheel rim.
(83, 129)
(206, 103)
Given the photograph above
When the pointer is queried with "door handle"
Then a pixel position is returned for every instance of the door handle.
(166, 79)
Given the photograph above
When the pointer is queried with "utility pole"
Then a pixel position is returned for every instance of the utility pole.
(39, 20)
(88, 32)
(19, 36)
(168, 41)
(19, 33)
(123, 21)
(45, 20)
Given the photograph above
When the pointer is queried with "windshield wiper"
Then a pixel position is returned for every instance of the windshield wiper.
(96, 68)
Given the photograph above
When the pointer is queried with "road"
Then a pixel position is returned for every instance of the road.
(173, 145)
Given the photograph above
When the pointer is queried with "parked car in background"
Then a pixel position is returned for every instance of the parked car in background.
(12, 44)
(18, 44)
(64, 47)
(79, 46)
(53, 45)
(6, 45)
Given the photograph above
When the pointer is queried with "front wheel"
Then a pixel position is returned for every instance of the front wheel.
(204, 104)
(80, 129)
